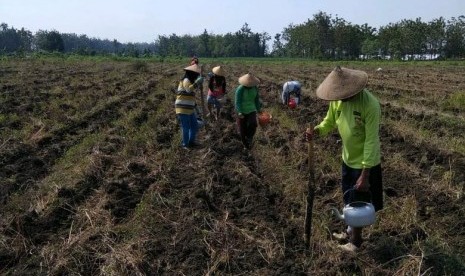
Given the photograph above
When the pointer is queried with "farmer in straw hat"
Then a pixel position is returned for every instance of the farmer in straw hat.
(216, 90)
(185, 105)
(356, 113)
(247, 103)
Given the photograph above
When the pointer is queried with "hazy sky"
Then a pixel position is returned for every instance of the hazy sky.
(144, 20)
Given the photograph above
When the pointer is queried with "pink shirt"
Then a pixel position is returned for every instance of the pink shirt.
(217, 90)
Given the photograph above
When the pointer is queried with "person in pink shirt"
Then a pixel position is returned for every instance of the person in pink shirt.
(216, 91)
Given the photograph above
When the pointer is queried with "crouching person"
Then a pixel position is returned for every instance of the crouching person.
(291, 88)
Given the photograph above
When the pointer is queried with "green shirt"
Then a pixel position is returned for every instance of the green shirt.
(357, 121)
(247, 99)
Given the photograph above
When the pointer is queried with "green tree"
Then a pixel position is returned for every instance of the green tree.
(413, 37)
(263, 43)
(302, 40)
(204, 48)
(370, 48)
(347, 39)
(50, 41)
(26, 38)
(436, 37)
(390, 39)
(10, 40)
(116, 46)
(278, 47)
(325, 34)
(243, 38)
(455, 36)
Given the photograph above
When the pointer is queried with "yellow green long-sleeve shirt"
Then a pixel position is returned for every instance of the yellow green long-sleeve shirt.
(357, 121)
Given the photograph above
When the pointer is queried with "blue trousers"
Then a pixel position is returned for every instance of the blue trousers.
(189, 128)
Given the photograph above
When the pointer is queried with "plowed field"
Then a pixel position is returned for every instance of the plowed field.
(93, 180)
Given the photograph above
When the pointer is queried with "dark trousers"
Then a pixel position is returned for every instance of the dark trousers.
(247, 128)
(349, 178)
(375, 194)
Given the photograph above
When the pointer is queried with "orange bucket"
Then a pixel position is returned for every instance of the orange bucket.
(264, 118)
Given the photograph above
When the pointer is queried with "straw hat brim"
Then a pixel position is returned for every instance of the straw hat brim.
(219, 71)
(193, 68)
(342, 83)
(249, 80)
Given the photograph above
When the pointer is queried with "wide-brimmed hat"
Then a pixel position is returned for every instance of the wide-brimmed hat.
(218, 70)
(342, 83)
(193, 68)
(249, 80)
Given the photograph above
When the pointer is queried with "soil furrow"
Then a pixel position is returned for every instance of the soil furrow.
(30, 163)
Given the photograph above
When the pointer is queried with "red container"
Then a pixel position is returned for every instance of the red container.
(264, 118)
(292, 104)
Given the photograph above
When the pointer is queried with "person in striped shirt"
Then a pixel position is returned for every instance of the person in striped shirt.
(185, 105)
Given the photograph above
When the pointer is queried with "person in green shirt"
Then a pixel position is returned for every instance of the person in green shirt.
(356, 113)
(247, 102)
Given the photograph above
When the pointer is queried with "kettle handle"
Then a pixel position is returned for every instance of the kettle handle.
(353, 190)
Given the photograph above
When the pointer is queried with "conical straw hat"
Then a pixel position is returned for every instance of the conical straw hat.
(342, 83)
(249, 80)
(193, 68)
(219, 71)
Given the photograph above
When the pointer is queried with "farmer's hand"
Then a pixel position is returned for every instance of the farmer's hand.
(309, 134)
(362, 183)
(240, 115)
(199, 80)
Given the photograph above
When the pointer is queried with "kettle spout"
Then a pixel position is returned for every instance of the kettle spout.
(337, 213)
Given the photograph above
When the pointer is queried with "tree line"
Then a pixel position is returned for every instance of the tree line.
(325, 37)
(321, 37)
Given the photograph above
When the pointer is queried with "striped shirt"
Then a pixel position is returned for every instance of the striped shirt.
(185, 99)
